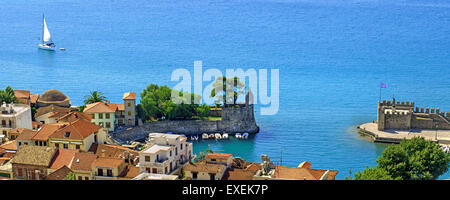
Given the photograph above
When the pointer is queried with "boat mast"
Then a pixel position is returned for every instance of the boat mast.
(43, 20)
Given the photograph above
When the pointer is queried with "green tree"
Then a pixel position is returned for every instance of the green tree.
(372, 173)
(94, 97)
(7, 95)
(415, 159)
(70, 176)
(155, 100)
(202, 111)
(223, 86)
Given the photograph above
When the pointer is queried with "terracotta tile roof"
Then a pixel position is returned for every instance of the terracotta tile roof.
(129, 96)
(239, 174)
(295, 173)
(121, 107)
(203, 167)
(26, 134)
(10, 145)
(305, 164)
(35, 123)
(22, 94)
(111, 151)
(59, 174)
(130, 172)
(218, 155)
(45, 131)
(62, 157)
(8, 155)
(52, 108)
(98, 107)
(107, 162)
(82, 161)
(34, 155)
(79, 130)
(34, 98)
(73, 116)
(3, 161)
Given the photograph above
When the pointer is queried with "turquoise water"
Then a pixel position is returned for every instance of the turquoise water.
(332, 55)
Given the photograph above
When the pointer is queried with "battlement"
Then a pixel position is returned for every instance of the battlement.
(398, 103)
(404, 115)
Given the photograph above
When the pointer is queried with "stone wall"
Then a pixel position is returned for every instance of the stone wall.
(238, 119)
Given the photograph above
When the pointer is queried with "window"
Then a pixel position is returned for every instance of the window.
(147, 158)
(194, 175)
(36, 143)
(57, 145)
(181, 146)
(45, 143)
(176, 151)
(170, 153)
(86, 178)
(100, 172)
(65, 146)
(100, 115)
(147, 170)
(80, 178)
(212, 176)
(108, 124)
(109, 172)
(77, 146)
(129, 104)
(67, 134)
(212, 159)
(19, 171)
(154, 170)
(107, 115)
(129, 113)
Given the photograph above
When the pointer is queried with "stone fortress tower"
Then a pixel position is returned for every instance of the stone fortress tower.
(404, 116)
(129, 99)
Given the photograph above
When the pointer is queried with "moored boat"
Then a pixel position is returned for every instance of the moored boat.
(205, 136)
(218, 136)
(211, 136)
(225, 136)
(245, 136)
(238, 135)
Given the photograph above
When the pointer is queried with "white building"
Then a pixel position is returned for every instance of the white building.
(14, 116)
(165, 153)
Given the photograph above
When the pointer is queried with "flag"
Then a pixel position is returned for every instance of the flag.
(383, 85)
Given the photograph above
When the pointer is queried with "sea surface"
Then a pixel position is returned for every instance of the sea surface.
(331, 54)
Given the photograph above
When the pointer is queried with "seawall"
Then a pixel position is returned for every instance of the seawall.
(187, 127)
(396, 136)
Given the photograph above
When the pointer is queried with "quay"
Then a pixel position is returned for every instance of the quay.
(395, 136)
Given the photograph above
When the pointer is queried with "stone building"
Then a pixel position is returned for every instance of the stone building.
(129, 99)
(14, 116)
(32, 162)
(53, 97)
(404, 116)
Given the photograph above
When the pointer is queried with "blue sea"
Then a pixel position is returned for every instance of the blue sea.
(332, 56)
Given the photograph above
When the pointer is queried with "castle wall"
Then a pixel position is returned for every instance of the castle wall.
(397, 121)
(239, 119)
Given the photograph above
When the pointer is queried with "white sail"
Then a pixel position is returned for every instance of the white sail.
(46, 34)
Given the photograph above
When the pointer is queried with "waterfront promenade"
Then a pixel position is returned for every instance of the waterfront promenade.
(395, 136)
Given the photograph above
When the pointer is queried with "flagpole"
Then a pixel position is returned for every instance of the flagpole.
(380, 93)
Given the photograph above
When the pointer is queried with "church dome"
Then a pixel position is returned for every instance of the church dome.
(53, 95)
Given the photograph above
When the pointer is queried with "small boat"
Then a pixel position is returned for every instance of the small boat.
(62, 49)
(245, 136)
(192, 138)
(196, 137)
(238, 135)
(211, 136)
(218, 136)
(225, 136)
(47, 43)
(205, 136)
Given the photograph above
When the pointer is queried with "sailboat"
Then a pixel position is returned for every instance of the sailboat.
(47, 43)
